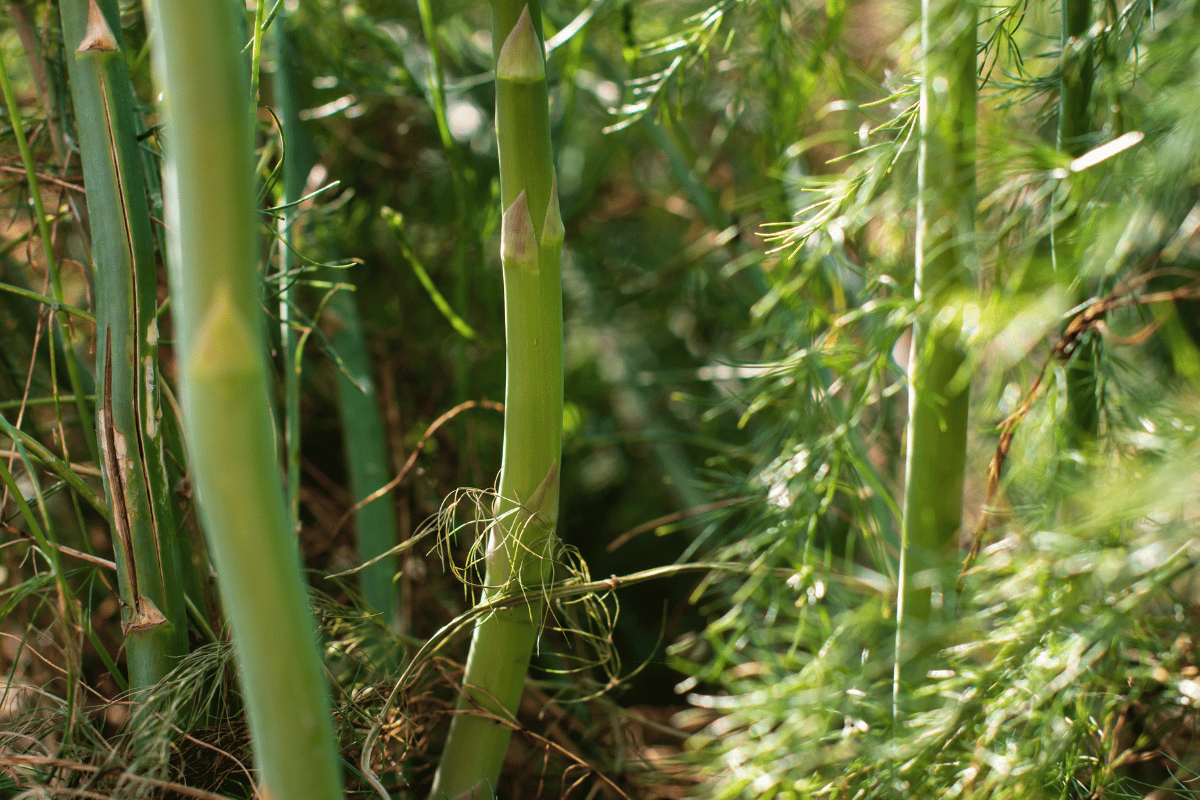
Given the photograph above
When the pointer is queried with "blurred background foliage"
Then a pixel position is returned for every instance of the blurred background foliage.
(737, 187)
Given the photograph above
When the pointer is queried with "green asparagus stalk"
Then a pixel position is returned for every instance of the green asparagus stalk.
(1076, 78)
(1074, 124)
(128, 412)
(521, 542)
(224, 382)
(938, 392)
(366, 457)
(362, 426)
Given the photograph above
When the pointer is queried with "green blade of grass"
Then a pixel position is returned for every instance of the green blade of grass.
(63, 325)
(396, 222)
(58, 466)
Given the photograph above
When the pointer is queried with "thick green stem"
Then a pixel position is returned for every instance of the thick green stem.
(1074, 128)
(364, 442)
(148, 564)
(210, 205)
(945, 249)
(366, 457)
(521, 540)
(1076, 76)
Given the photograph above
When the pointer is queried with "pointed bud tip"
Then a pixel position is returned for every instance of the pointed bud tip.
(553, 231)
(521, 59)
(518, 242)
(223, 344)
(98, 38)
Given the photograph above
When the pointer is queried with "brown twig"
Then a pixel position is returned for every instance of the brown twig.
(42, 176)
(1091, 318)
(67, 551)
(667, 519)
(412, 458)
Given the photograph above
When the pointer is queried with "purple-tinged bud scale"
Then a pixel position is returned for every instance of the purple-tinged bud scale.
(521, 59)
(518, 242)
(553, 231)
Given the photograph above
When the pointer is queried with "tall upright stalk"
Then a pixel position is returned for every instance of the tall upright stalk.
(297, 161)
(365, 447)
(128, 412)
(1074, 124)
(364, 443)
(224, 381)
(521, 540)
(938, 391)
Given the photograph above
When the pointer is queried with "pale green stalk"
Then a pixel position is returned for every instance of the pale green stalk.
(296, 164)
(521, 541)
(256, 42)
(144, 527)
(945, 250)
(363, 437)
(225, 388)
